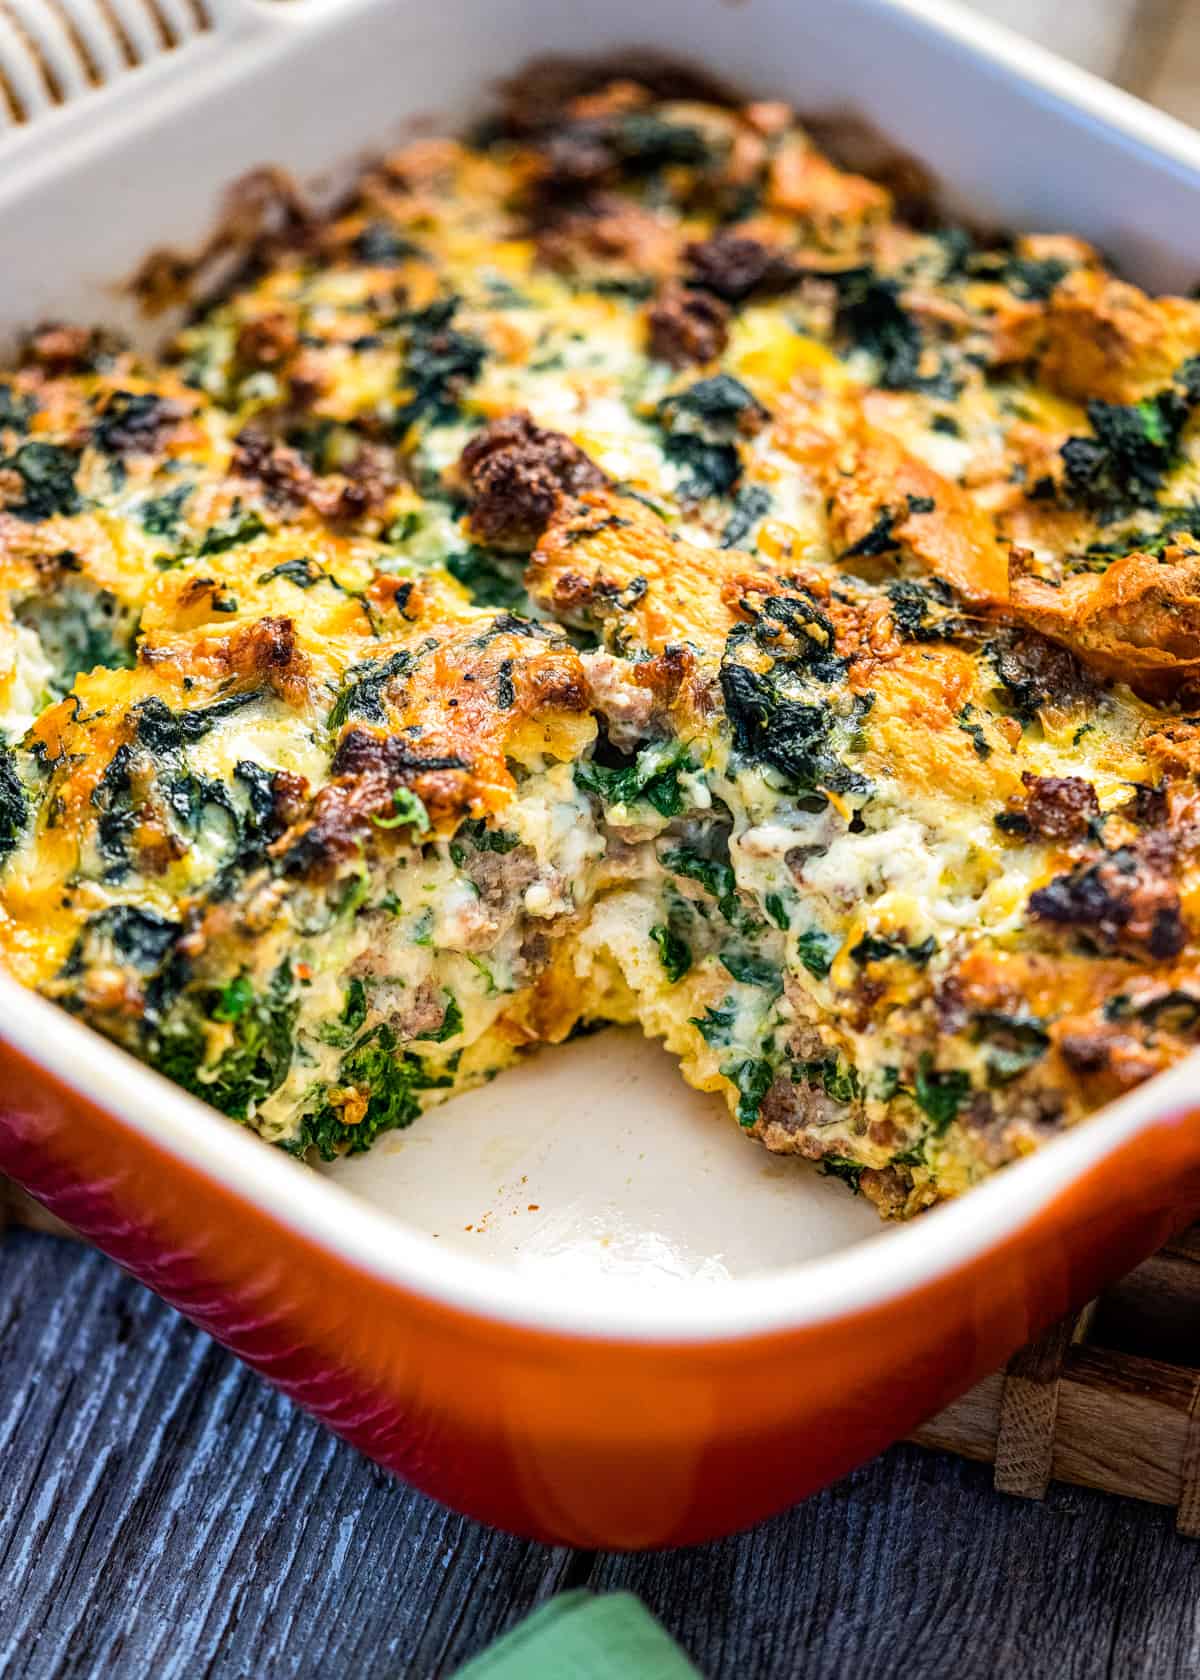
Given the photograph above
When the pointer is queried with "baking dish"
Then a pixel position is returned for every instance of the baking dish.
(573, 1303)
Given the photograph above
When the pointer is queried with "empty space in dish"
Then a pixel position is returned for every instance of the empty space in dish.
(595, 1159)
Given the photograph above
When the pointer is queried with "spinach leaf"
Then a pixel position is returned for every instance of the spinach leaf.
(380, 246)
(749, 506)
(127, 933)
(719, 408)
(709, 469)
(923, 611)
(793, 736)
(131, 421)
(715, 877)
(237, 527)
(14, 803)
(941, 1093)
(161, 730)
(841, 1166)
(777, 911)
(702, 424)
(645, 141)
(874, 947)
(485, 839)
(390, 1079)
(674, 952)
(750, 969)
(302, 571)
(15, 412)
(1034, 278)
(47, 473)
(439, 362)
(715, 1026)
(653, 777)
(753, 1078)
(161, 515)
(838, 1079)
(1013, 1044)
(1123, 463)
(871, 317)
(361, 694)
(349, 1023)
(492, 580)
(816, 950)
(259, 1058)
(409, 810)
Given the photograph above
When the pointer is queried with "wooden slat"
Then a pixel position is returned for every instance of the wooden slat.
(1145, 49)
(1187, 1513)
(970, 1426)
(19, 1209)
(1029, 1410)
(1123, 1425)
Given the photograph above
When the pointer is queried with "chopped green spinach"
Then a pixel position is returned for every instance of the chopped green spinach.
(841, 1166)
(47, 474)
(348, 1025)
(409, 811)
(674, 952)
(940, 1092)
(652, 777)
(748, 968)
(14, 802)
(389, 1078)
(816, 950)
(752, 1078)
(716, 1025)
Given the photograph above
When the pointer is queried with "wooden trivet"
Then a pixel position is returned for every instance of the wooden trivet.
(1108, 1399)
(16, 1208)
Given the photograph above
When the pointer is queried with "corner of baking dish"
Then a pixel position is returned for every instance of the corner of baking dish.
(857, 1279)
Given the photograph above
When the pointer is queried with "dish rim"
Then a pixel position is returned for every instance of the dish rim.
(786, 1299)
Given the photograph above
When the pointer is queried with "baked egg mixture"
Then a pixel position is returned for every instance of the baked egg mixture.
(625, 568)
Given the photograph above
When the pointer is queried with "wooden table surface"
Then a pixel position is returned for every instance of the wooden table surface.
(167, 1515)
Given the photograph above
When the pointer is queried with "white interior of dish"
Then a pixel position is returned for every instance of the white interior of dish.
(594, 1159)
(592, 1165)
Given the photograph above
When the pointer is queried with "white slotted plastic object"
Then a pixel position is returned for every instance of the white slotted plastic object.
(57, 55)
(100, 48)
(41, 34)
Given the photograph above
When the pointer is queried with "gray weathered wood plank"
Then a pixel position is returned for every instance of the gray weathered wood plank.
(166, 1514)
(915, 1566)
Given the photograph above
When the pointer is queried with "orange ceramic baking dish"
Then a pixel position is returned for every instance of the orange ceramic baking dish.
(575, 1303)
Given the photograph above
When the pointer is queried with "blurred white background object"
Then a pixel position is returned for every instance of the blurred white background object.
(1151, 47)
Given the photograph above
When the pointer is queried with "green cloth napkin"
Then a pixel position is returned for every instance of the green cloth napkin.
(578, 1636)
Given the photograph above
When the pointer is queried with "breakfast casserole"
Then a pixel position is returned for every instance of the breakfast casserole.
(624, 568)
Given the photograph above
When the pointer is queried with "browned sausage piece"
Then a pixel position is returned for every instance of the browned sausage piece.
(515, 472)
